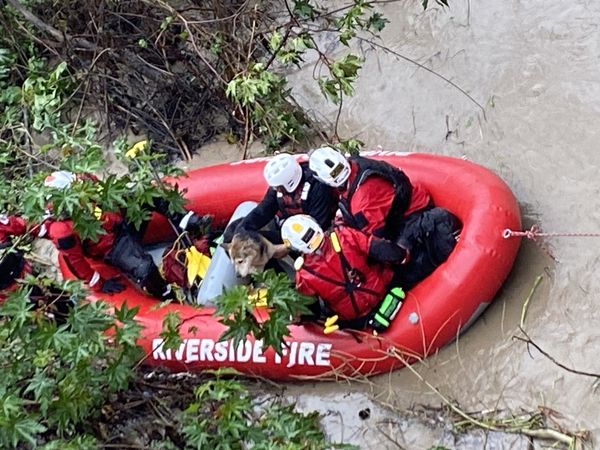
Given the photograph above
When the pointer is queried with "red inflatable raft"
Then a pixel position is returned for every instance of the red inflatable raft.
(433, 314)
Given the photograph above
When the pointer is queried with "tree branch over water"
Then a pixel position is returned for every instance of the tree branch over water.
(530, 341)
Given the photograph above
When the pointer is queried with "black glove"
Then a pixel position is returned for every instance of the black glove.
(160, 205)
(384, 251)
(195, 224)
(112, 286)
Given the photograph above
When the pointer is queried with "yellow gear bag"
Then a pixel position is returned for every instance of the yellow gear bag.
(196, 263)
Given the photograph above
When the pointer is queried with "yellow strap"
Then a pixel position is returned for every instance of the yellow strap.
(330, 324)
(204, 263)
(335, 242)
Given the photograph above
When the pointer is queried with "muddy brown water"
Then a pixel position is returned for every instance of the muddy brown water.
(533, 67)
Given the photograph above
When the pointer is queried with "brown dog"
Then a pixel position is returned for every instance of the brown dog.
(250, 252)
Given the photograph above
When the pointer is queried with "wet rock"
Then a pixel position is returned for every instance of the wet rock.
(419, 428)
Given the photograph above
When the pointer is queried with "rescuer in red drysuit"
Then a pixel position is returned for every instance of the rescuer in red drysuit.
(375, 196)
(349, 270)
(14, 266)
(293, 189)
(119, 245)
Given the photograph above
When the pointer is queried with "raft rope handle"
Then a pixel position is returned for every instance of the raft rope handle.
(535, 231)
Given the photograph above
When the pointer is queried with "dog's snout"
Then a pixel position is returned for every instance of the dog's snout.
(243, 270)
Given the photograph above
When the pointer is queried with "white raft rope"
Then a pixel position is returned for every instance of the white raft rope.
(535, 231)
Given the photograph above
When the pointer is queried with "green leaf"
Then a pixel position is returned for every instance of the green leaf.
(275, 40)
(303, 9)
(166, 22)
(17, 308)
(42, 387)
(125, 314)
(11, 95)
(26, 430)
(377, 22)
(170, 331)
(352, 146)
(346, 35)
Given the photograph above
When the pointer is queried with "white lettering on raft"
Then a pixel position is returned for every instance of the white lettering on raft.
(192, 350)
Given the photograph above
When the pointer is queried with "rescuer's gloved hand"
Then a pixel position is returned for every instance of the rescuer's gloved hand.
(195, 224)
(110, 286)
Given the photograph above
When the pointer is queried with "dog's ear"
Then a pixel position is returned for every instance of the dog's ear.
(280, 251)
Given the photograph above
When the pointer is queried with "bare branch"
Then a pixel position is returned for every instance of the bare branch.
(49, 29)
(530, 341)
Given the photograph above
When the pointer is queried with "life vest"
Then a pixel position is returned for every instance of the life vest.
(363, 168)
(295, 202)
(73, 250)
(341, 274)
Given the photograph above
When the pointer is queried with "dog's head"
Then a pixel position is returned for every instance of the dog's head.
(249, 252)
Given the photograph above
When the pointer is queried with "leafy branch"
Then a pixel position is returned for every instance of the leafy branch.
(275, 291)
(224, 416)
(256, 94)
(55, 376)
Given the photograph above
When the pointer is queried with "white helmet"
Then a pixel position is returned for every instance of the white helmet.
(283, 170)
(330, 166)
(302, 233)
(60, 179)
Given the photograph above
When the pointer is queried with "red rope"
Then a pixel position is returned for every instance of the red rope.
(535, 232)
